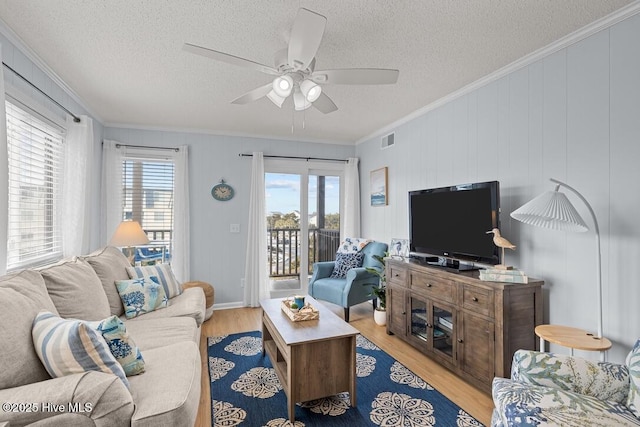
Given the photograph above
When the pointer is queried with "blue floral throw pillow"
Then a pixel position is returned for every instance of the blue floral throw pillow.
(140, 296)
(345, 262)
(121, 345)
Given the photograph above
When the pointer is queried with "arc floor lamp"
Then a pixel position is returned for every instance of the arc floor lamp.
(554, 210)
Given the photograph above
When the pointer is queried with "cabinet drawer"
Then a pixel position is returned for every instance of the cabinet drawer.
(397, 275)
(479, 300)
(442, 289)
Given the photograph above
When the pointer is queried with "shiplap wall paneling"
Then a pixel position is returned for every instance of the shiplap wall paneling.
(624, 269)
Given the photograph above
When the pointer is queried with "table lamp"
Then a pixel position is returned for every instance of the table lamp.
(127, 235)
(554, 210)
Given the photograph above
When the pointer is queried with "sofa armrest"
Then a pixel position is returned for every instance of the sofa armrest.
(602, 380)
(322, 270)
(102, 398)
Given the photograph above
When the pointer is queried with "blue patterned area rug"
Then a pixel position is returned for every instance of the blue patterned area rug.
(245, 391)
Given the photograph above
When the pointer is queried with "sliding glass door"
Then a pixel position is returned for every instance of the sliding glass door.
(302, 206)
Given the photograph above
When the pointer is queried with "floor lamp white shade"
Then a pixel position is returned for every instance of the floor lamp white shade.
(554, 210)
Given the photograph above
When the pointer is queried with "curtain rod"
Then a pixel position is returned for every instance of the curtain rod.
(75, 118)
(176, 149)
(296, 157)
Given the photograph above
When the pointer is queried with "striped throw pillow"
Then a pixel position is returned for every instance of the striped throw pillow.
(70, 346)
(162, 273)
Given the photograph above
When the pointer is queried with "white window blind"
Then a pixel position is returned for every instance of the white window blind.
(35, 158)
(148, 185)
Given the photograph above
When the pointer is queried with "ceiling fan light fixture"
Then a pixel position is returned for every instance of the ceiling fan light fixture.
(310, 90)
(300, 103)
(283, 85)
(275, 98)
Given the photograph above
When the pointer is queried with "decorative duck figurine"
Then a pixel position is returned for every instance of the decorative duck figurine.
(502, 243)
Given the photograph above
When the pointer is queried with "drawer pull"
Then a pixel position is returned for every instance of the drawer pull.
(429, 325)
(460, 340)
(428, 285)
(397, 275)
(474, 299)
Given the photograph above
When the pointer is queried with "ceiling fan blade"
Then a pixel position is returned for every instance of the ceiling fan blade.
(356, 76)
(306, 35)
(324, 104)
(229, 59)
(253, 95)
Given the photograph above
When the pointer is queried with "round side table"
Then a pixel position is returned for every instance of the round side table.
(573, 338)
(208, 294)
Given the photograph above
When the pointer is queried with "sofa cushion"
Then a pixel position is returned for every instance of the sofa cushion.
(140, 296)
(110, 265)
(70, 346)
(121, 345)
(164, 275)
(191, 303)
(633, 362)
(168, 393)
(76, 291)
(160, 332)
(22, 296)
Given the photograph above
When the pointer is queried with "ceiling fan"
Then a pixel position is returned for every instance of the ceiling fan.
(295, 69)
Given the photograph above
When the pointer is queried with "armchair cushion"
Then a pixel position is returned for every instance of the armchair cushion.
(602, 380)
(633, 362)
(345, 262)
(553, 389)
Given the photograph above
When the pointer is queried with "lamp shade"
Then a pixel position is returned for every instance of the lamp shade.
(299, 101)
(283, 85)
(275, 98)
(551, 210)
(129, 233)
(310, 90)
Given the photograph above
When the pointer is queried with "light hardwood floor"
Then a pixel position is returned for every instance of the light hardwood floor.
(475, 402)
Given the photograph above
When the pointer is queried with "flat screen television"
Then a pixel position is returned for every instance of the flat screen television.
(452, 223)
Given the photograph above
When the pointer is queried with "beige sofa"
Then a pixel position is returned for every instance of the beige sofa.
(166, 394)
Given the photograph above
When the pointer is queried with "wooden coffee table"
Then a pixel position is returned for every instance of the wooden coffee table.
(312, 358)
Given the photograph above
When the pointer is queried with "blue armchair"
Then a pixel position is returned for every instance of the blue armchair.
(353, 289)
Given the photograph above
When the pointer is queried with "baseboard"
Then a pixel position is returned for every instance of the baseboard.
(228, 305)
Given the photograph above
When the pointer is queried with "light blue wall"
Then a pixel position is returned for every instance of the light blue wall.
(573, 115)
(218, 256)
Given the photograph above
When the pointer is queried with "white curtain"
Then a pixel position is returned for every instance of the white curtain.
(77, 183)
(255, 271)
(350, 218)
(180, 255)
(4, 177)
(111, 209)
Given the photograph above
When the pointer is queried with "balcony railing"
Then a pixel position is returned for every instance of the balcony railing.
(284, 249)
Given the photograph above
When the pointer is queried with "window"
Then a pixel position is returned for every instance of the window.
(35, 156)
(148, 185)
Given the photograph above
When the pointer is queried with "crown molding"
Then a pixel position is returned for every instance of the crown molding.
(19, 44)
(294, 137)
(596, 26)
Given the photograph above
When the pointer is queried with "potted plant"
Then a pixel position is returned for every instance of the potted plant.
(380, 292)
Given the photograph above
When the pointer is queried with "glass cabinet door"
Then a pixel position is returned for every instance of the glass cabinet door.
(419, 319)
(443, 326)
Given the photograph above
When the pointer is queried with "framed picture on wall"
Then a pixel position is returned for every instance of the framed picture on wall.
(399, 248)
(378, 187)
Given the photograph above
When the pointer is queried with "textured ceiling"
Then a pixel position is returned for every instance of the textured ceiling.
(124, 58)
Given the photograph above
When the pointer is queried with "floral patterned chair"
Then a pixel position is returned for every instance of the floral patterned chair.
(549, 389)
